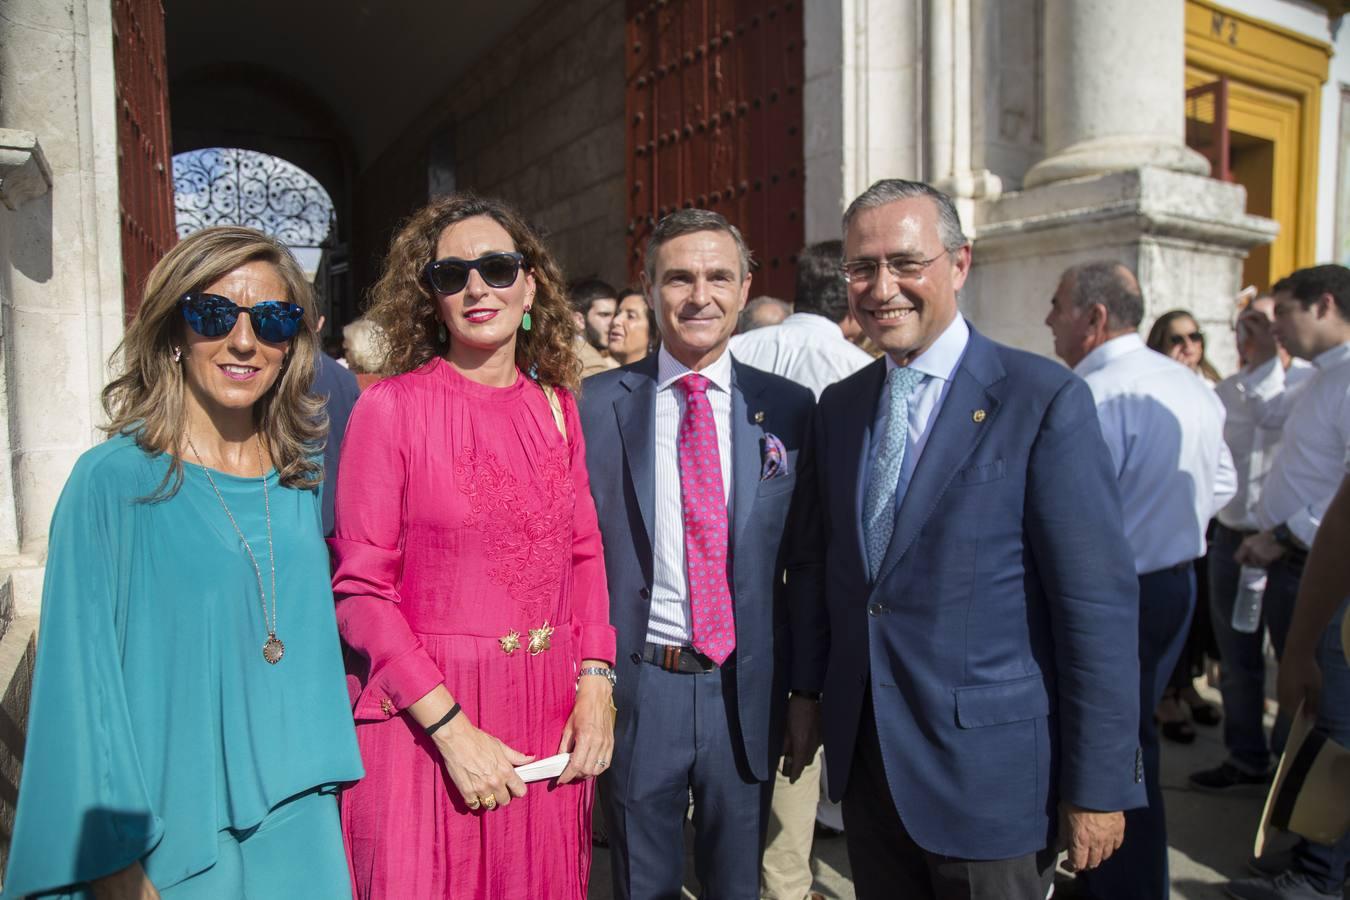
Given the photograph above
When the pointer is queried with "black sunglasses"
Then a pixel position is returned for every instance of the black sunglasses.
(1195, 337)
(451, 275)
(213, 316)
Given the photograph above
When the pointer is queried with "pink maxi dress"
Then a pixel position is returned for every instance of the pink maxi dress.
(464, 516)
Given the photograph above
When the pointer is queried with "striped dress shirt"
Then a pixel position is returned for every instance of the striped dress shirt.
(669, 620)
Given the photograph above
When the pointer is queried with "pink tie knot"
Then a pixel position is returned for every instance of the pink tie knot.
(694, 383)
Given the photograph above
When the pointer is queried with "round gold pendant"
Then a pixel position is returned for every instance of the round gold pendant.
(274, 649)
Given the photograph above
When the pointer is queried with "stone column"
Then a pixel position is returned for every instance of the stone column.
(1114, 89)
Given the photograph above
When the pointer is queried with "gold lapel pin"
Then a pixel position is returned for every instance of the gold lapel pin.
(759, 418)
(978, 415)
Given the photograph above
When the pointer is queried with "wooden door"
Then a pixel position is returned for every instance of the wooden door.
(714, 107)
(145, 168)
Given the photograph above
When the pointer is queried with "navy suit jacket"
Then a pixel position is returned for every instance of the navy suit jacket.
(999, 641)
(618, 416)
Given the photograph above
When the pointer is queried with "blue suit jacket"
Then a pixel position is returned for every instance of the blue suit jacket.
(618, 416)
(999, 641)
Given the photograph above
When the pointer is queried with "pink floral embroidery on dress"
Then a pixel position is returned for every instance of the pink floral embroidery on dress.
(526, 526)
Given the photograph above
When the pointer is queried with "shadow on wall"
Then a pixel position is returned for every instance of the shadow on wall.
(30, 229)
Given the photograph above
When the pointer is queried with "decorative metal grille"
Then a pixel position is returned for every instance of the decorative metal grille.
(220, 186)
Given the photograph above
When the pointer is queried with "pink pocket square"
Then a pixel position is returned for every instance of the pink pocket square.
(775, 458)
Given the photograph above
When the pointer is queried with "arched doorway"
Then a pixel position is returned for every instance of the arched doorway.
(233, 186)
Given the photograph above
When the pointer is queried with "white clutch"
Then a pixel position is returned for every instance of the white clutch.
(543, 769)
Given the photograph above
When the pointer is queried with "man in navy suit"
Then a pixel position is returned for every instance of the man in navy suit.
(693, 460)
(980, 701)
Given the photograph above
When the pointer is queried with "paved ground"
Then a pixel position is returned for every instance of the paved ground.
(1210, 835)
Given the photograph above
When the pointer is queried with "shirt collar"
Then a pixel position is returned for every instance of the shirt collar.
(1331, 359)
(670, 370)
(941, 359)
(1107, 353)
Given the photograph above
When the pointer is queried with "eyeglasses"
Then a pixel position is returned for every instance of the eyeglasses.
(213, 316)
(451, 275)
(1195, 337)
(905, 268)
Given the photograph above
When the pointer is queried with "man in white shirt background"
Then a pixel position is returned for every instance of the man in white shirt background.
(811, 348)
(1312, 321)
(1164, 429)
(1252, 431)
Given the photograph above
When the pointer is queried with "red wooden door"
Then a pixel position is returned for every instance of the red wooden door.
(714, 106)
(145, 168)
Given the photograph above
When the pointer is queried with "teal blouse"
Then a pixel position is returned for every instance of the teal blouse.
(155, 720)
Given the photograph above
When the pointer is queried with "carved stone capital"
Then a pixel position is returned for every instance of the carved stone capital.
(24, 171)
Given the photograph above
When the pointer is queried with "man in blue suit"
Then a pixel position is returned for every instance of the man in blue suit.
(693, 460)
(980, 701)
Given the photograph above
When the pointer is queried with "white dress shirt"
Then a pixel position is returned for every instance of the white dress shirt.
(1308, 466)
(938, 363)
(669, 620)
(1252, 437)
(805, 348)
(1164, 427)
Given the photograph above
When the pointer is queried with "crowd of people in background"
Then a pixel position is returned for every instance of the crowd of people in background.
(603, 560)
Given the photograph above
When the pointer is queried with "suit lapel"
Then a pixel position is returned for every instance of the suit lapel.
(745, 450)
(636, 414)
(953, 438)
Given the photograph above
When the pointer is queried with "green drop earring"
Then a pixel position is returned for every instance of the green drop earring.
(526, 323)
(441, 333)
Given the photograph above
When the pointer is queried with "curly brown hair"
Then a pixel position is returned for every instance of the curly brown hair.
(145, 399)
(405, 310)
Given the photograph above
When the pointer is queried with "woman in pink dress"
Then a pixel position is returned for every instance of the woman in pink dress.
(469, 576)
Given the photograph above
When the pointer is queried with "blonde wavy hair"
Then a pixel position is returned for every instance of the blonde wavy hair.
(404, 309)
(146, 399)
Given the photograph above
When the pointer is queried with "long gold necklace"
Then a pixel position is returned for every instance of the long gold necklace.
(273, 649)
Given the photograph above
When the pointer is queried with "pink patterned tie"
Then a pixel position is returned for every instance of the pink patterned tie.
(705, 524)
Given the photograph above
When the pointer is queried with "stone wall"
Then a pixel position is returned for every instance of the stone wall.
(539, 122)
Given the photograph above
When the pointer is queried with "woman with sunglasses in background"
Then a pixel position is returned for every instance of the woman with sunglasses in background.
(468, 573)
(1178, 335)
(189, 724)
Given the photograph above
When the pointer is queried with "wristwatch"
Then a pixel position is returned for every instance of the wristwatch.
(1284, 537)
(602, 671)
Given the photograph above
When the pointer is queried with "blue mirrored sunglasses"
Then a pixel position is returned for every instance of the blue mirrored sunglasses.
(213, 316)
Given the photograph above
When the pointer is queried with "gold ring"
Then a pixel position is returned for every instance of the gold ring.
(489, 802)
(472, 804)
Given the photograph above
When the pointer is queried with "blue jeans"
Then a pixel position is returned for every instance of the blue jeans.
(1243, 681)
(1326, 865)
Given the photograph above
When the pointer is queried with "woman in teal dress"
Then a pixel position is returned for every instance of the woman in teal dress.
(190, 720)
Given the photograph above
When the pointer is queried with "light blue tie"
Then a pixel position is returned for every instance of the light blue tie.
(879, 501)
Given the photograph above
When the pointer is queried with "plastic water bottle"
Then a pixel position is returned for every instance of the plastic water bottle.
(1247, 605)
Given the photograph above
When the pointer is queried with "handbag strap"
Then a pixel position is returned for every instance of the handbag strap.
(555, 405)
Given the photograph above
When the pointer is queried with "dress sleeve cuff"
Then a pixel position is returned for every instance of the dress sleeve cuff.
(409, 677)
(598, 642)
(1265, 381)
(1303, 525)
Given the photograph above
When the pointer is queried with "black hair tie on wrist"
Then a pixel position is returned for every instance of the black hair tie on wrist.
(432, 729)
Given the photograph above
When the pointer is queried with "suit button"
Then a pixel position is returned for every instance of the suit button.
(645, 594)
(875, 609)
(636, 658)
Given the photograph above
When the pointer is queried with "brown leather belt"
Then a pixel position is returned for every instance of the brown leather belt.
(684, 660)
